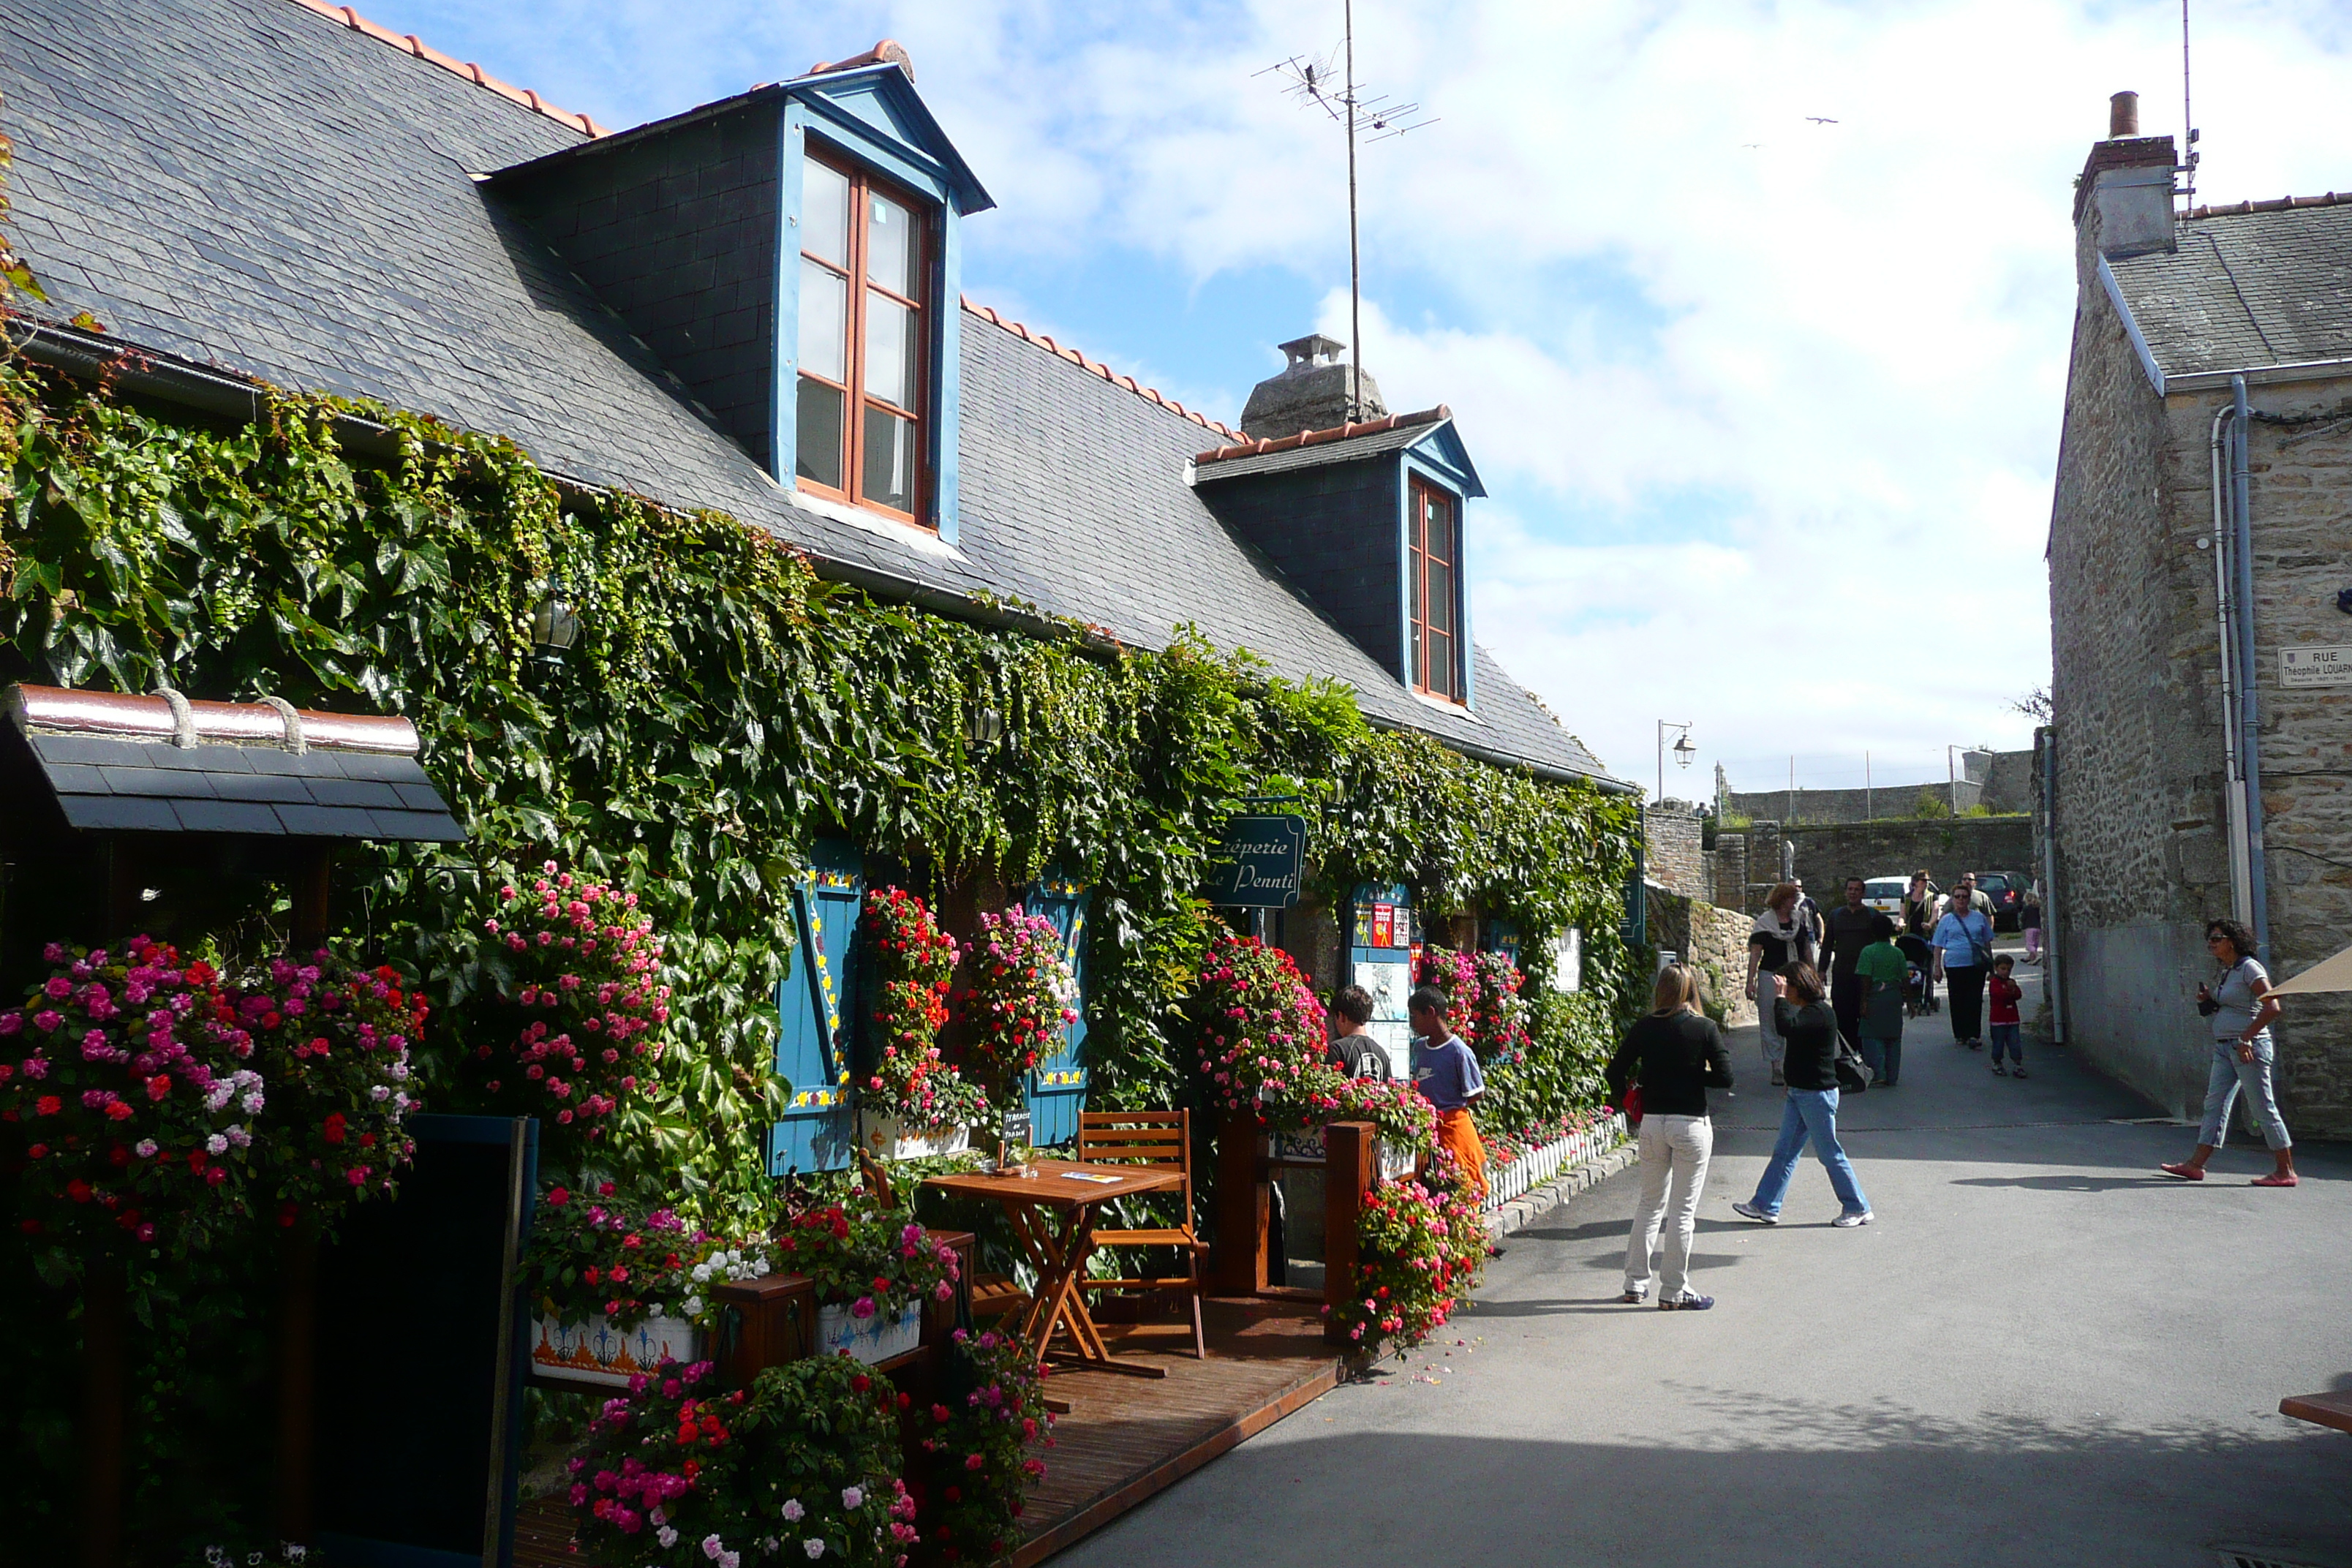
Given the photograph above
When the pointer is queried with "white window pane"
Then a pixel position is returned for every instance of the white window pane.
(890, 461)
(890, 255)
(825, 211)
(891, 349)
(825, 306)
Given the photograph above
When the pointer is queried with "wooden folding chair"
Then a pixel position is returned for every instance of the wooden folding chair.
(1149, 1138)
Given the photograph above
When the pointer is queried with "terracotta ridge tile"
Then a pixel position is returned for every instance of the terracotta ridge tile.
(998, 319)
(1244, 448)
(2270, 205)
(411, 44)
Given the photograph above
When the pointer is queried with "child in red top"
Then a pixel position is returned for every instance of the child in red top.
(2002, 992)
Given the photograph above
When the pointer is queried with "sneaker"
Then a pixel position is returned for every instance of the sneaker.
(1999, 1070)
(1634, 1298)
(2018, 1071)
(1687, 1303)
(1850, 1221)
(1976, 1045)
(1750, 1211)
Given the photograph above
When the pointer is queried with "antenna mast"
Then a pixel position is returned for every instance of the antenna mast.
(1310, 82)
(2188, 152)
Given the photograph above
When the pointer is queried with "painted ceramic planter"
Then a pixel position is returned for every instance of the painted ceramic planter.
(596, 1353)
(1397, 1161)
(1306, 1146)
(868, 1339)
(888, 1139)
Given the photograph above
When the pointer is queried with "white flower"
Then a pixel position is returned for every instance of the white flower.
(253, 1104)
(712, 1546)
(401, 1100)
(220, 1095)
(730, 1559)
(851, 1497)
(693, 1305)
(242, 1138)
(768, 1544)
(295, 1551)
(813, 1546)
(217, 1557)
(667, 1536)
(216, 1144)
(701, 1274)
(659, 1515)
(794, 1511)
(380, 1092)
(145, 1149)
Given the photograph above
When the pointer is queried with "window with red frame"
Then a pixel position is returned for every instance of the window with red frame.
(864, 340)
(1433, 573)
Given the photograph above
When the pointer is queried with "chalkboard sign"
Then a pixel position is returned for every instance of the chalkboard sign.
(1017, 1128)
(1258, 864)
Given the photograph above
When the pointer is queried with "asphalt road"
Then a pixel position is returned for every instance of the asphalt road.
(2041, 1353)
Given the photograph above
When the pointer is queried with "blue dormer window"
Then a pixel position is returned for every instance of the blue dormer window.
(1434, 588)
(865, 339)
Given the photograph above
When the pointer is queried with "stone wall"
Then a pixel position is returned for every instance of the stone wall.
(1997, 781)
(2139, 815)
(1673, 860)
(1826, 857)
(1713, 942)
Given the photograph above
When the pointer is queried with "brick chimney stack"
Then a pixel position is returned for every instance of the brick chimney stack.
(2123, 202)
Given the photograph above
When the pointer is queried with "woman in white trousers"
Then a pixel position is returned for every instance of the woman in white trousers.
(1671, 1058)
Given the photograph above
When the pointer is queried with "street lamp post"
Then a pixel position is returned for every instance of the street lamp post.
(1683, 751)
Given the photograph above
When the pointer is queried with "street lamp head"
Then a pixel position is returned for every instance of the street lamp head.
(1684, 751)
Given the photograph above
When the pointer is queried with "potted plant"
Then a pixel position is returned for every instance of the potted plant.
(1258, 1029)
(1022, 995)
(914, 1103)
(1321, 1094)
(873, 1269)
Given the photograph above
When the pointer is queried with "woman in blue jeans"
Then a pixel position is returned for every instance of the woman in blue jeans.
(1811, 1029)
(2241, 1007)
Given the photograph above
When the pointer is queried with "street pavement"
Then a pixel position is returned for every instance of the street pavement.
(2041, 1352)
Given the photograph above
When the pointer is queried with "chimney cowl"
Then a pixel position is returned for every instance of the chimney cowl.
(2122, 115)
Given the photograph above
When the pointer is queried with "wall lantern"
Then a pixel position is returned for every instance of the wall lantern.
(555, 623)
(986, 724)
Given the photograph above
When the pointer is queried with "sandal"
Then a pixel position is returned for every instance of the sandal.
(2185, 1173)
(2276, 1179)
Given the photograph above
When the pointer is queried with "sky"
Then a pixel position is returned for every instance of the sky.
(1754, 317)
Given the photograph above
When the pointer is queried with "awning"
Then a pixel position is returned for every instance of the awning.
(2328, 974)
(111, 762)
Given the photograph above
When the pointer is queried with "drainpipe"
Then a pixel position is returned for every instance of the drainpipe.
(2233, 800)
(2053, 968)
(2249, 747)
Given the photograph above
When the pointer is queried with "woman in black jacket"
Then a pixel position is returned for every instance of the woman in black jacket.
(1677, 1055)
(1811, 1068)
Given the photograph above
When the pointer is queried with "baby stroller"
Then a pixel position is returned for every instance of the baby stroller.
(1919, 986)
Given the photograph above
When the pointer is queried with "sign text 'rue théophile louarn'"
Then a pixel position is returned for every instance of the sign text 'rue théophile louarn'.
(1259, 863)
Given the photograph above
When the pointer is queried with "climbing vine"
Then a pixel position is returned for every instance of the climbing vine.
(723, 706)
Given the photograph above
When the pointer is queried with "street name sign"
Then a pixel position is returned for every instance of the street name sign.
(1259, 864)
(2312, 666)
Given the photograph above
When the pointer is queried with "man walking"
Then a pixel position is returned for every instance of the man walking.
(1850, 927)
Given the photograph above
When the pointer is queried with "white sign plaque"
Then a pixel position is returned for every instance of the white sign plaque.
(2311, 665)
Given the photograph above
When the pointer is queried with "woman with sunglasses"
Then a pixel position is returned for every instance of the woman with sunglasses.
(2241, 1006)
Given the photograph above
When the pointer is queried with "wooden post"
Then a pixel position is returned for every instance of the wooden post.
(103, 1311)
(1350, 1166)
(1237, 1258)
(297, 1346)
(771, 1321)
(307, 891)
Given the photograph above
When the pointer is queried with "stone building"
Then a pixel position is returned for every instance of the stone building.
(2200, 622)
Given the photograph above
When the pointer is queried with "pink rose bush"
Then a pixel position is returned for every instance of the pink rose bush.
(1258, 1029)
(126, 1086)
(1022, 995)
(583, 967)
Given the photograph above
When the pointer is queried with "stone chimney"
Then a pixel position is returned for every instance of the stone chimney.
(1316, 391)
(2123, 202)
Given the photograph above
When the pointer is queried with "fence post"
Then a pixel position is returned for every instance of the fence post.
(1237, 1256)
(1350, 1165)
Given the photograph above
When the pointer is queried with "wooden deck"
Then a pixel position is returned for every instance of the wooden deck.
(1125, 1437)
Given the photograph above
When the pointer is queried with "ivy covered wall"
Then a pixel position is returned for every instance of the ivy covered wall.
(724, 706)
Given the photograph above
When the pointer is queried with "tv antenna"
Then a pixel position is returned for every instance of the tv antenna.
(1315, 81)
(2189, 155)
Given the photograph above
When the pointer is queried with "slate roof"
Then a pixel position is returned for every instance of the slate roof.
(247, 185)
(1282, 459)
(2246, 288)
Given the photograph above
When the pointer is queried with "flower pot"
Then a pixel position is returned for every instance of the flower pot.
(595, 1353)
(886, 1138)
(869, 1340)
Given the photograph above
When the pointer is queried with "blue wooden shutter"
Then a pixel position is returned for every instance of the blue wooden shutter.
(1056, 1087)
(815, 1008)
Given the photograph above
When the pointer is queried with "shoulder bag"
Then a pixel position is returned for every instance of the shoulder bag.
(1853, 1073)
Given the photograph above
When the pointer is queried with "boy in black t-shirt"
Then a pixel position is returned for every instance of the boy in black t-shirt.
(1352, 1048)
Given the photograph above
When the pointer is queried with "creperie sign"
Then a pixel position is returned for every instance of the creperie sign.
(1259, 863)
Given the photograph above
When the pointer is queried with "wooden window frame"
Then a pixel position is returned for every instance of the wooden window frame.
(863, 184)
(1418, 557)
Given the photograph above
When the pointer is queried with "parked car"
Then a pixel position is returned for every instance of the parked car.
(1884, 894)
(2007, 891)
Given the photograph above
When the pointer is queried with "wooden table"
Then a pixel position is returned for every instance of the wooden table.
(1053, 1216)
(2332, 1409)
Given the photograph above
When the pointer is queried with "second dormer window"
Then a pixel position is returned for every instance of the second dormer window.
(865, 340)
(1433, 573)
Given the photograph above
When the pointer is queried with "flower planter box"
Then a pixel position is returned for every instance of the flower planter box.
(596, 1353)
(888, 1139)
(1397, 1161)
(869, 1340)
(1306, 1148)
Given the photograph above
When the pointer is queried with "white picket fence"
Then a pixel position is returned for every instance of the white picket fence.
(1538, 1165)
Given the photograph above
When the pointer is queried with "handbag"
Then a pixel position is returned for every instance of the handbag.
(1853, 1073)
(1631, 1104)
